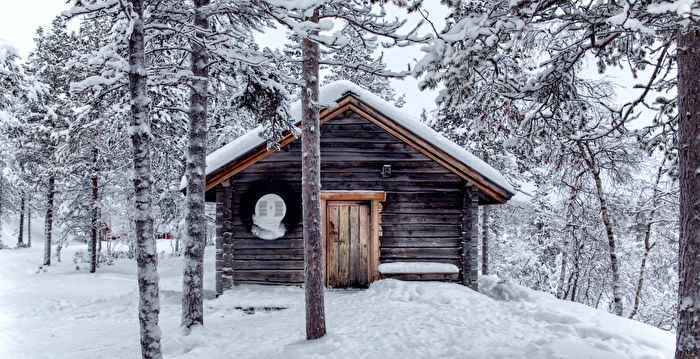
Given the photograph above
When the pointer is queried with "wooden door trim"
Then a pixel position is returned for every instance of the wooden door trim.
(374, 198)
(353, 196)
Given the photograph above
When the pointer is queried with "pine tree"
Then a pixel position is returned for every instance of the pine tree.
(562, 110)
(216, 58)
(146, 252)
(360, 50)
(48, 220)
(20, 229)
(688, 334)
(303, 19)
(195, 220)
(46, 116)
(311, 186)
(16, 89)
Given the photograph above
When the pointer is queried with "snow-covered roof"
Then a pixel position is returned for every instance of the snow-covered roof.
(328, 96)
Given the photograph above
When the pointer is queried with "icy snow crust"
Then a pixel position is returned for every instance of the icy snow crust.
(64, 313)
(328, 96)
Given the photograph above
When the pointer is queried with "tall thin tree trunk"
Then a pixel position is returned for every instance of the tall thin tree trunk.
(20, 236)
(688, 332)
(146, 251)
(195, 221)
(576, 272)
(48, 221)
(612, 247)
(95, 213)
(29, 223)
(311, 189)
(568, 237)
(642, 267)
(485, 214)
(647, 240)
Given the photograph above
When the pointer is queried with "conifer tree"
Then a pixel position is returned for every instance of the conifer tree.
(305, 21)
(360, 50)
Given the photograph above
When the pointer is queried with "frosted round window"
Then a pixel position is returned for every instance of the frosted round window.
(270, 210)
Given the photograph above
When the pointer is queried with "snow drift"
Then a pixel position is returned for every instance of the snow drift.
(64, 313)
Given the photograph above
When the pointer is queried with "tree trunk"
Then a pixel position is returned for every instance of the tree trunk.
(577, 270)
(311, 189)
(688, 332)
(146, 251)
(20, 236)
(48, 221)
(95, 214)
(195, 220)
(647, 240)
(486, 211)
(642, 267)
(29, 223)
(568, 237)
(612, 247)
(612, 250)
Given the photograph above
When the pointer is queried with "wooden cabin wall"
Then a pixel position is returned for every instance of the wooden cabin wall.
(421, 218)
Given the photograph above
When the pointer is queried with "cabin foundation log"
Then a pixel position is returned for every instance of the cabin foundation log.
(470, 237)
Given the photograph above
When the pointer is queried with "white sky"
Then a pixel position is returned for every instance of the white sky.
(19, 20)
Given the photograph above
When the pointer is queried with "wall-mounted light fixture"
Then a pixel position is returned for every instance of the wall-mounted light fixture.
(386, 171)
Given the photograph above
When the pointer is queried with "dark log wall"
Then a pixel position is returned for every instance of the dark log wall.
(421, 218)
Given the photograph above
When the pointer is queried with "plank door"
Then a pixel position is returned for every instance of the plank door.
(347, 243)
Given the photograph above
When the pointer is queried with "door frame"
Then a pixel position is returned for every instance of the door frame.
(374, 198)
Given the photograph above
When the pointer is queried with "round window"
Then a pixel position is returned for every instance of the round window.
(270, 210)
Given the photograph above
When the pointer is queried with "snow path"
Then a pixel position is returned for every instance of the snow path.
(64, 313)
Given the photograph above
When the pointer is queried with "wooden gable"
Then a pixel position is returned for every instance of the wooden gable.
(490, 192)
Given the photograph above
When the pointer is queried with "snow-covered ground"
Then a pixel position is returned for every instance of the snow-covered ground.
(67, 313)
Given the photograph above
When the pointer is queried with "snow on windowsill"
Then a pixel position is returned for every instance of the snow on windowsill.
(417, 267)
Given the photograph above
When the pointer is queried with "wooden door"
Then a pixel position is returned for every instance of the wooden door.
(347, 243)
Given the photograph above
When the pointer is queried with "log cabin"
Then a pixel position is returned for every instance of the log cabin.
(398, 199)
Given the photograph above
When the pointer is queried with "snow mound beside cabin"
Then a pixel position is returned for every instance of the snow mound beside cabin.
(419, 320)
